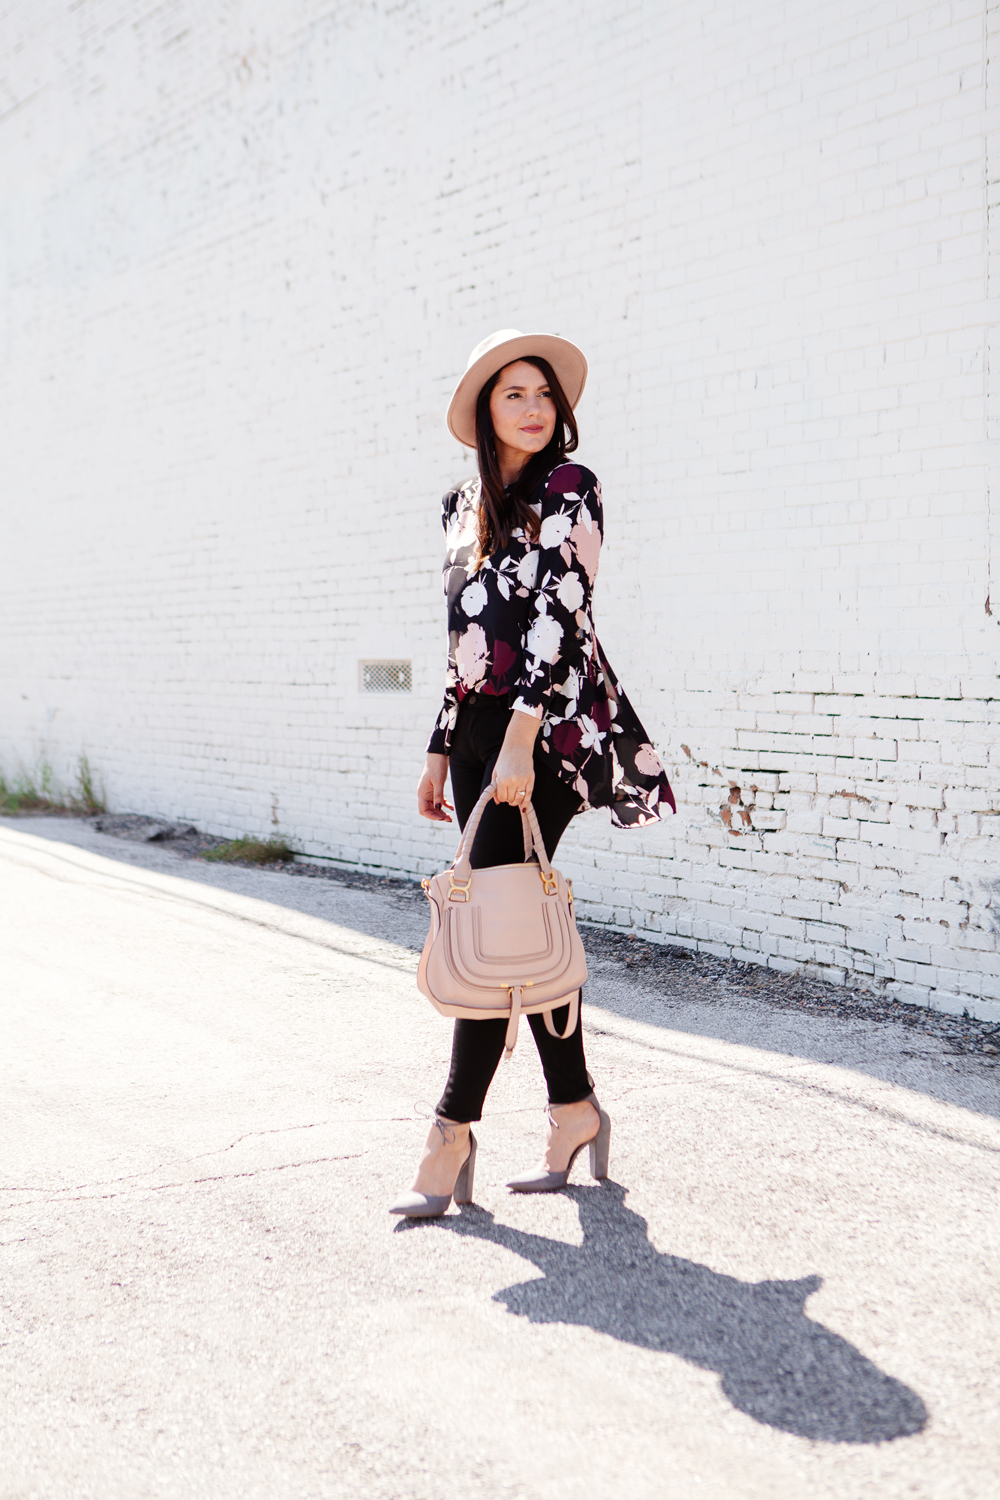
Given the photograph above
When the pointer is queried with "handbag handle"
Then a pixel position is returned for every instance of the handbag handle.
(529, 822)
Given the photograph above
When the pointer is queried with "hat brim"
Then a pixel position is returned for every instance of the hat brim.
(568, 362)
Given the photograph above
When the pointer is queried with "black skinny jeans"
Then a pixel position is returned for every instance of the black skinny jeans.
(477, 1046)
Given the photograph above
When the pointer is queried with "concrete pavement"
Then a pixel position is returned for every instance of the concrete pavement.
(787, 1288)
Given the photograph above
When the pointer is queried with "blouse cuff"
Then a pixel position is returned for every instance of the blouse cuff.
(438, 742)
(534, 709)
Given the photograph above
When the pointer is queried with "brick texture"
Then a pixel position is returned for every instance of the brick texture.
(246, 250)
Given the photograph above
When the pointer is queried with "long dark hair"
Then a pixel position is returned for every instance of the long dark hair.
(499, 512)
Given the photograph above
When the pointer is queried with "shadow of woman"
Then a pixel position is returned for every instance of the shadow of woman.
(775, 1363)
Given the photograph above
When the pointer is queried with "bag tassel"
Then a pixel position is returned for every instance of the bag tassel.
(516, 993)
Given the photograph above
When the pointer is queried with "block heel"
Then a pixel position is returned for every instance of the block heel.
(541, 1181)
(600, 1146)
(466, 1177)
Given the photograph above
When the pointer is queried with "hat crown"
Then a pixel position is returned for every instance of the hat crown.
(490, 342)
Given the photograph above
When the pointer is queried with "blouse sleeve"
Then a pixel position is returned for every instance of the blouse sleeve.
(438, 744)
(569, 546)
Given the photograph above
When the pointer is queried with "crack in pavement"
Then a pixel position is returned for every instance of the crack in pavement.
(65, 1195)
(201, 1155)
(160, 1187)
(174, 1162)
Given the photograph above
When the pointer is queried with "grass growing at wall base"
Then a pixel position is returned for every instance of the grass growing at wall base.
(37, 791)
(249, 851)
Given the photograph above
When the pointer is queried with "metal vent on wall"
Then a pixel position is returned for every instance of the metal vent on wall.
(386, 676)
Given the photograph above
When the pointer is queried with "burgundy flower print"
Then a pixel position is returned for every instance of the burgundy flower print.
(505, 659)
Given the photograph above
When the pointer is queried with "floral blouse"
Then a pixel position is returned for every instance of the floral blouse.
(521, 626)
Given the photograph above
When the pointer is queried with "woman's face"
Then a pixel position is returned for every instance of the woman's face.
(523, 412)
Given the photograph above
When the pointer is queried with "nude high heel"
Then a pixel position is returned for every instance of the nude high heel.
(416, 1205)
(540, 1181)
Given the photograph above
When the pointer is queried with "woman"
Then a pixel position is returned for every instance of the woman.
(531, 707)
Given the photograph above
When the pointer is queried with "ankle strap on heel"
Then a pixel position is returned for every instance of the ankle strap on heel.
(446, 1127)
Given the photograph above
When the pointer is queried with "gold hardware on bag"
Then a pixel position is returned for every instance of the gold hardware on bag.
(549, 882)
(458, 889)
(425, 885)
(569, 891)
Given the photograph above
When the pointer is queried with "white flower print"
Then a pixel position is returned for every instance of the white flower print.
(570, 690)
(462, 528)
(570, 592)
(592, 736)
(474, 598)
(527, 570)
(545, 638)
(470, 656)
(555, 529)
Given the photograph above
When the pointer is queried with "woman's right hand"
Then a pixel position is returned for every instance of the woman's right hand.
(430, 790)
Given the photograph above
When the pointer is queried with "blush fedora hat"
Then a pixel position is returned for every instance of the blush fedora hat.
(504, 348)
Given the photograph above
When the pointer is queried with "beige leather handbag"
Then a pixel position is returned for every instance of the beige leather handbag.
(503, 940)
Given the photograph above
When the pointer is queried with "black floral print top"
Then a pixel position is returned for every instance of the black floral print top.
(521, 626)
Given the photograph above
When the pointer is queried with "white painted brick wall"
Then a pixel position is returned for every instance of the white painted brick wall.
(246, 249)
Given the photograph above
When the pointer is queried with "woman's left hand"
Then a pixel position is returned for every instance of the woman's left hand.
(514, 773)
